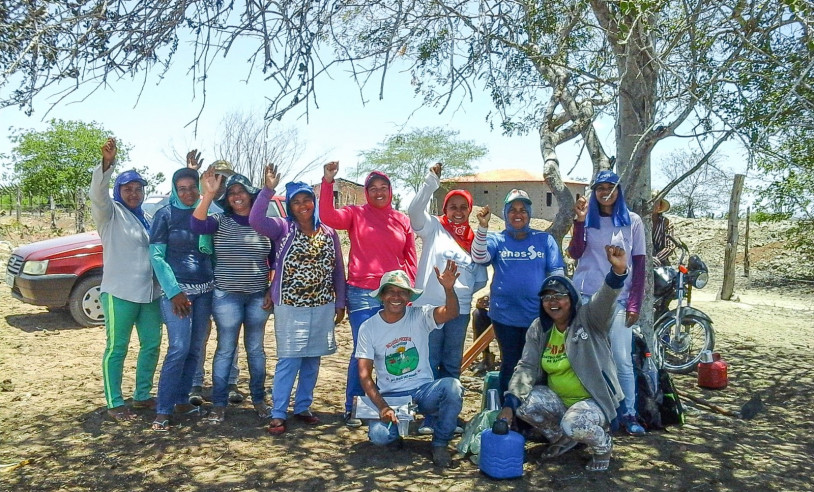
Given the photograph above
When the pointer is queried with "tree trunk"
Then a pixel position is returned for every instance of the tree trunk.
(19, 203)
(80, 210)
(731, 251)
(53, 213)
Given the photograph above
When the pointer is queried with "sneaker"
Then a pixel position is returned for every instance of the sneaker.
(425, 430)
(632, 426)
(441, 457)
(352, 422)
(196, 396)
(235, 396)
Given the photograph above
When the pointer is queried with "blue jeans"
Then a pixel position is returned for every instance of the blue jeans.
(442, 399)
(231, 310)
(197, 380)
(185, 338)
(511, 340)
(284, 375)
(447, 348)
(621, 339)
(361, 307)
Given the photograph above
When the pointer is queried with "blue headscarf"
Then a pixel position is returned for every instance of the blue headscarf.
(121, 180)
(511, 197)
(620, 215)
(184, 172)
(292, 189)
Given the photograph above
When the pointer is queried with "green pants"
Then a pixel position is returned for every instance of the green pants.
(120, 316)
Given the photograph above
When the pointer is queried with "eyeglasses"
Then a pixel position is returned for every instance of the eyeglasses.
(554, 297)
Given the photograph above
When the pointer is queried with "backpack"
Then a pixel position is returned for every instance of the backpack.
(661, 408)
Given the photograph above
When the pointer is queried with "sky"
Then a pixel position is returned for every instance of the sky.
(155, 120)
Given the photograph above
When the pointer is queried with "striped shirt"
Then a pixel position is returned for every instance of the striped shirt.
(241, 254)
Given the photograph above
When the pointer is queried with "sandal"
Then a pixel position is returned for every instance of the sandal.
(122, 414)
(307, 417)
(599, 462)
(148, 404)
(160, 426)
(217, 415)
(559, 448)
(276, 427)
(263, 410)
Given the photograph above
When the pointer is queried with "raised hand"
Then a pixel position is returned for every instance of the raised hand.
(436, 169)
(330, 170)
(581, 209)
(483, 216)
(194, 160)
(272, 177)
(617, 258)
(448, 276)
(212, 182)
(109, 151)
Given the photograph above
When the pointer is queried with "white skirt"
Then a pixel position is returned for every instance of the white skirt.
(304, 331)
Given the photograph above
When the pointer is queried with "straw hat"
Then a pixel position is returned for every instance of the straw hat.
(662, 207)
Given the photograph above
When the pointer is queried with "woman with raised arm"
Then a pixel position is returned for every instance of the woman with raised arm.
(241, 296)
(308, 291)
(521, 257)
(448, 237)
(565, 385)
(186, 277)
(605, 219)
(130, 292)
(381, 240)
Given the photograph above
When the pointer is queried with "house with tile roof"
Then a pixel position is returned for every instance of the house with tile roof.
(491, 187)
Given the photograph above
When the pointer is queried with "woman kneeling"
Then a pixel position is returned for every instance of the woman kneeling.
(565, 384)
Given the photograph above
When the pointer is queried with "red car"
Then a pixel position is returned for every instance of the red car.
(67, 271)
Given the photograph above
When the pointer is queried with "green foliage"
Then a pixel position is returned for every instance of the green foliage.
(407, 157)
(789, 188)
(58, 160)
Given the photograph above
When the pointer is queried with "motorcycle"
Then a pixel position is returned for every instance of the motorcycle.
(684, 332)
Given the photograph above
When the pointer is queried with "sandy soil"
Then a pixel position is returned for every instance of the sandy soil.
(54, 434)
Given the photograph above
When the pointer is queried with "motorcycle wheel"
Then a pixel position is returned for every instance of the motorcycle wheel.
(681, 354)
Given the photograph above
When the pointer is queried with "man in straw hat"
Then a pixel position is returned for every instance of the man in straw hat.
(396, 343)
(662, 247)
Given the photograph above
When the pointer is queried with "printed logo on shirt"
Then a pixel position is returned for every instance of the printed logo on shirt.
(530, 254)
(401, 356)
(461, 259)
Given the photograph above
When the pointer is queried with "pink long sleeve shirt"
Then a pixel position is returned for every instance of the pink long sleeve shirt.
(381, 239)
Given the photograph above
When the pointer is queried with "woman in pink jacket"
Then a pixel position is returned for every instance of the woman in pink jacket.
(381, 240)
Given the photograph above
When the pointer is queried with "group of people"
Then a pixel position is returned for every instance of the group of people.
(408, 315)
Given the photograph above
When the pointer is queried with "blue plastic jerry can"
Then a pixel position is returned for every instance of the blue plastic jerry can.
(501, 451)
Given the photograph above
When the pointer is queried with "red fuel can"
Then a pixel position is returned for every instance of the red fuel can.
(712, 375)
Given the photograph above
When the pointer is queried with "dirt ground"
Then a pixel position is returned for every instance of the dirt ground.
(54, 434)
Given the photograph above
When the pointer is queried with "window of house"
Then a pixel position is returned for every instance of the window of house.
(549, 199)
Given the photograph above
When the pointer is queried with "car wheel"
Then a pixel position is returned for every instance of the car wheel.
(84, 302)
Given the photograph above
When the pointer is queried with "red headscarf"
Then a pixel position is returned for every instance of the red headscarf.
(462, 233)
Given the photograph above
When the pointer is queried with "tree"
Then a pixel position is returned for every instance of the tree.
(702, 191)
(788, 189)
(249, 143)
(56, 162)
(406, 157)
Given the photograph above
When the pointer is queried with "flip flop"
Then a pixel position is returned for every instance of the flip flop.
(147, 404)
(599, 462)
(276, 429)
(307, 418)
(263, 410)
(217, 415)
(122, 414)
(559, 448)
(160, 426)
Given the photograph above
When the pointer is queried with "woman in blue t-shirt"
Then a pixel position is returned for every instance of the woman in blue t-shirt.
(186, 277)
(522, 258)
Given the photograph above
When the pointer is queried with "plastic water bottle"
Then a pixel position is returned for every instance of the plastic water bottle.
(650, 373)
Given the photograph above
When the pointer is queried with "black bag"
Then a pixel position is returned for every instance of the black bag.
(671, 409)
(659, 410)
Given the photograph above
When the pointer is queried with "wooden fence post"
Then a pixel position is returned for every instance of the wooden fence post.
(746, 244)
(731, 251)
